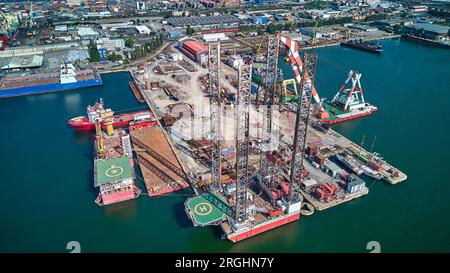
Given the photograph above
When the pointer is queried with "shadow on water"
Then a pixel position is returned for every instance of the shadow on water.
(81, 136)
(218, 232)
(180, 216)
(90, 177)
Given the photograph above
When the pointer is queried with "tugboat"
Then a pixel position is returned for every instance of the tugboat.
(364, 45)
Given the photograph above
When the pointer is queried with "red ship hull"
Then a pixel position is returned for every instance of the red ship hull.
(118, 197)
(265, 227)
(83, 123)
(337, 120)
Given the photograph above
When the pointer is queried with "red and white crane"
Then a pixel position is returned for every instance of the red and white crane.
(345, 96)
(297, 64)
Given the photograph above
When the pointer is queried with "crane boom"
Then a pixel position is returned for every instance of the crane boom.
(297, 64)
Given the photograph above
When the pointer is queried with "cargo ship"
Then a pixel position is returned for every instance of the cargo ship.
(67, 78)
(445, 43)
(363, 45)
(348, 103)
(349, 164)
(97, 111)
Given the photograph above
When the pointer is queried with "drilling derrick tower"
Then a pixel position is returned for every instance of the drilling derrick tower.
(216, 114)
(242, 144)
(267, 170)
(301, 127)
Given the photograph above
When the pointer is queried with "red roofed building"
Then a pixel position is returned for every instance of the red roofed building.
(195, 50)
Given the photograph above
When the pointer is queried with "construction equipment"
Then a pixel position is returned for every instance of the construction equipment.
(296, 65)
(99, 141)
(307, 91)
(107, 118)
(286, 83)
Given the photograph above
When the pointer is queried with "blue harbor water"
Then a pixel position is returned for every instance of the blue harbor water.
(47, 196)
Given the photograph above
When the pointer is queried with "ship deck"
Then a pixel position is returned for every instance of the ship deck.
(161, 170)
(207, 209)
(113, 145)
(332, 111)
(261, 202)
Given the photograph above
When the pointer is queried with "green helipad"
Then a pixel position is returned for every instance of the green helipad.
(207, 209)
(110, 170)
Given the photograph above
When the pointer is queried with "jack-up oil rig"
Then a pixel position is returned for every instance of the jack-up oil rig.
(269, 197)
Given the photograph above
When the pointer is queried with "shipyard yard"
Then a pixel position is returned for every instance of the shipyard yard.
(177, 91)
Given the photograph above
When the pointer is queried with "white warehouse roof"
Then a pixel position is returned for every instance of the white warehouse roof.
(143, 29)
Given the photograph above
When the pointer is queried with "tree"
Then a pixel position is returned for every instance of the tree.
(113, 57)
(94, 55)
(129, 42)
(189, 30)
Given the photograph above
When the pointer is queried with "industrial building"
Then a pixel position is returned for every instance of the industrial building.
(194, 50)
(87, 33)
(234, 61)
(110, 44)
(332, 169)
(23, 62)
(214, 37)
(428, 31)
(354, 183)
(194, 21)
(143, 30)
